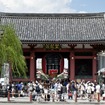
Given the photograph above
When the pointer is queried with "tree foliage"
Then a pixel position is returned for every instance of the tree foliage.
(11, 51)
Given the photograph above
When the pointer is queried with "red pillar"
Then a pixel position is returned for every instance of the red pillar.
(62, 65)
(94, 66)
(32, 66)
(72, 66)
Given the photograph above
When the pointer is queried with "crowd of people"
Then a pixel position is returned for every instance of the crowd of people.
(58, 90)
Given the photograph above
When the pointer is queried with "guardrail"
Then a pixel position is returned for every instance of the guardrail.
(9, 96)
(53, 98)
(98, 97)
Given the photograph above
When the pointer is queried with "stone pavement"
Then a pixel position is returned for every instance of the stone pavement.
(84, 101)
(68, 101)
(15, 100)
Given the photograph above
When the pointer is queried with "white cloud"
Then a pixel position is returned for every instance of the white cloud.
(36, 6)
(82, 12)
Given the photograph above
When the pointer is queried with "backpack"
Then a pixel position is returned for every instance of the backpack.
(73, 88)
(37, 88)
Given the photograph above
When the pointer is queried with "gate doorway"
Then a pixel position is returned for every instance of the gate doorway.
(53, 64)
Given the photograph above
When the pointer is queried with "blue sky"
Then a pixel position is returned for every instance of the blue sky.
(88, 5)
(52, 6)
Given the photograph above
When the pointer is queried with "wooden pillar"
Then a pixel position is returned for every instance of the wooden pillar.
(61, 65)
(94, 66)
(32, 66)
(72, 66)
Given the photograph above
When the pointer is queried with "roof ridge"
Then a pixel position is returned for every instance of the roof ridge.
(101, 14)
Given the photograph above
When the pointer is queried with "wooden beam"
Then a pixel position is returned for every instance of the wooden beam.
(32, 46)
(98, 47)
(72, 46)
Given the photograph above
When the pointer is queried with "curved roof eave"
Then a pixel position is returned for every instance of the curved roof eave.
(64, 42)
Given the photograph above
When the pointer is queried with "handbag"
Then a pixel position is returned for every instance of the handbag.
(69, 94)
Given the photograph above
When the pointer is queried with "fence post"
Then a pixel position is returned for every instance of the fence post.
(98, 97)
(30, 96)
(76, 96)
(8, 96)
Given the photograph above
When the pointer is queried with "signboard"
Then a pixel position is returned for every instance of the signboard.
(5, 73)
(53, 73)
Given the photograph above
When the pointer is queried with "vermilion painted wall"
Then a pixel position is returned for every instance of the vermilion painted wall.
(71, 57)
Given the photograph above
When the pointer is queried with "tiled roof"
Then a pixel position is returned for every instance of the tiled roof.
(36, 28)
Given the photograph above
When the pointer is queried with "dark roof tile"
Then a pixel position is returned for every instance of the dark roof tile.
(57, 27)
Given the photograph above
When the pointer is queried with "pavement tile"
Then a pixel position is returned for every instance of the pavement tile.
(68, 101)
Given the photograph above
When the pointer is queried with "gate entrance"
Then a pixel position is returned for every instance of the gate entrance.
(53, 64)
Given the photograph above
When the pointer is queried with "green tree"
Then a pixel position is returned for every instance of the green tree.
(11, 51)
